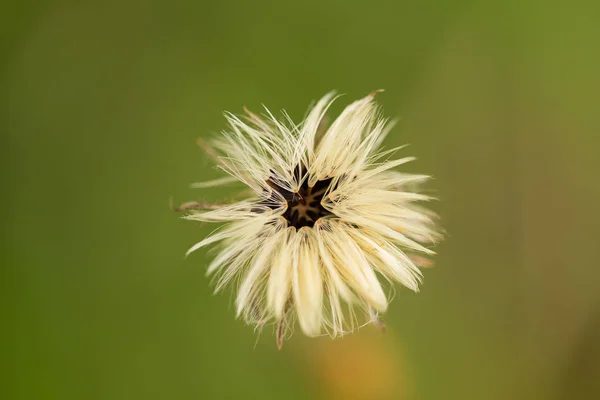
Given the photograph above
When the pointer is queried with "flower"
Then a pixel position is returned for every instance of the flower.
(328, 219)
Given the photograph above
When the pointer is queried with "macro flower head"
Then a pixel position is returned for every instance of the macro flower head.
(329, 223)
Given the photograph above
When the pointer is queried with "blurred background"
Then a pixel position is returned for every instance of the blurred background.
(101, 104)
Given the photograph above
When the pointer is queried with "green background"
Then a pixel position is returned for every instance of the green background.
(101, 103)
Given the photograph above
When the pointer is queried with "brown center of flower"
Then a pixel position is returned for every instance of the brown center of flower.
(303, 206)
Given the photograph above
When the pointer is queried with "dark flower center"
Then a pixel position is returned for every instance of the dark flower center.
(303, 206)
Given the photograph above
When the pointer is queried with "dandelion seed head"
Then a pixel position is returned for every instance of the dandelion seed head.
(330, 226)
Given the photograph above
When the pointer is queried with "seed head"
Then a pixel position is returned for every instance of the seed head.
(329, 223)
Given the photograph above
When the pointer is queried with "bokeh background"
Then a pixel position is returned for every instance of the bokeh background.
(101, 104)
